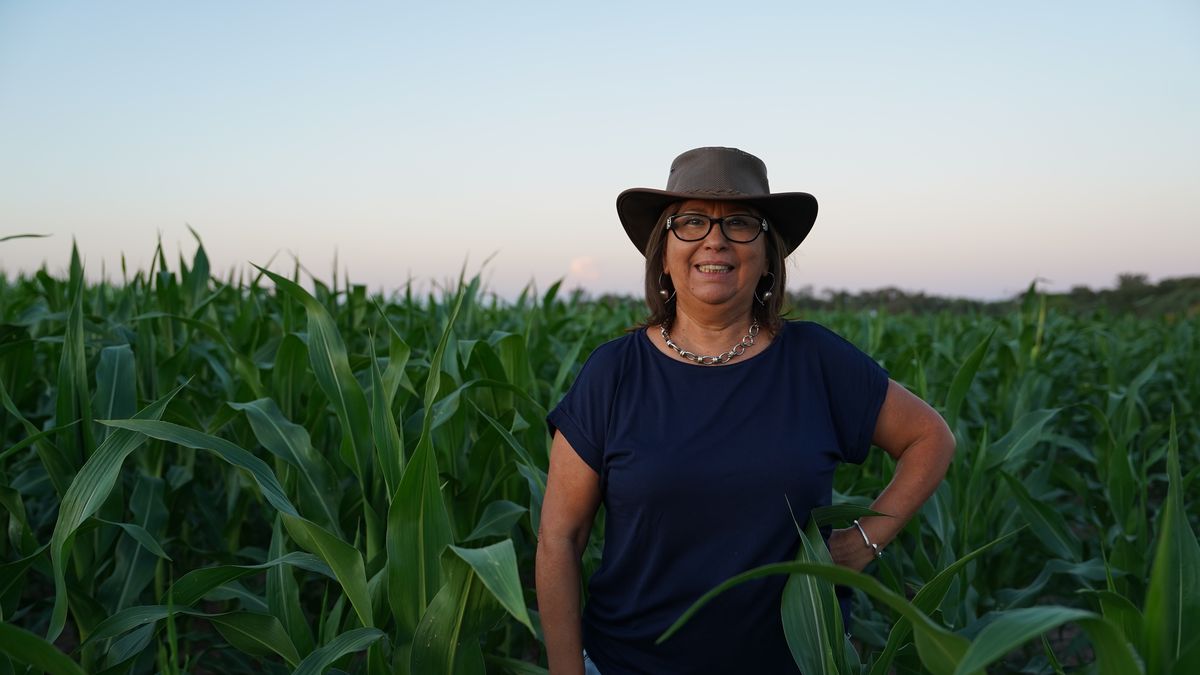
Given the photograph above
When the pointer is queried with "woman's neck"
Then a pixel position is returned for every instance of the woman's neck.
(711, 332)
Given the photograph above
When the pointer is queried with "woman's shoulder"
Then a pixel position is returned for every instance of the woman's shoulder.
(609, 356)
(618, 347)
(812, 335)
(797, 329)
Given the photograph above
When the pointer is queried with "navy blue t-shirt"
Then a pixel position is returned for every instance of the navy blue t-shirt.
(697, 465)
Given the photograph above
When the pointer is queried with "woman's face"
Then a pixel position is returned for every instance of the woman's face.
(714, 270)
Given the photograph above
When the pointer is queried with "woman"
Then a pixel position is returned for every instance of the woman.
(706, 432)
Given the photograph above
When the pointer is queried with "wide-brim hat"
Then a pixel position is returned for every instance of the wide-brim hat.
(718, 173)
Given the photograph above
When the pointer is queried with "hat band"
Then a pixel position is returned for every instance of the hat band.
(715, 191)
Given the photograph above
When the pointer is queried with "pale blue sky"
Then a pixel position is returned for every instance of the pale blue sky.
(959, 148)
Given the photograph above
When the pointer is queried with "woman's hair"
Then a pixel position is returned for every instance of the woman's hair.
(663, 312)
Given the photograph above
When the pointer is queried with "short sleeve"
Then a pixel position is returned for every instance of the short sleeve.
(856, 386)
(583, 414)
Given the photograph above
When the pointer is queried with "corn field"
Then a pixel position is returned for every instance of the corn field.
(260, 475)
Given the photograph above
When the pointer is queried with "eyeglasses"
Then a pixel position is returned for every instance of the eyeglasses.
(739, 228)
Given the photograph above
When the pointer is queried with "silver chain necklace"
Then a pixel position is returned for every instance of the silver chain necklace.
(737, 350)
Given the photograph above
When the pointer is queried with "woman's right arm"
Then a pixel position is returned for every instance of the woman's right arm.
(568, 508)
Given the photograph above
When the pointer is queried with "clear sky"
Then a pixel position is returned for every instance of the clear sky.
(957, 148)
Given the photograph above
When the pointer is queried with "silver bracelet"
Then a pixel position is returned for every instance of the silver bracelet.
(873, 547)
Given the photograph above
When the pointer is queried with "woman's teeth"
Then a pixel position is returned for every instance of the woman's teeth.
(714, 268)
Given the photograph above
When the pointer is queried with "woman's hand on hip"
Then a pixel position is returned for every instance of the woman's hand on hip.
(847, 549)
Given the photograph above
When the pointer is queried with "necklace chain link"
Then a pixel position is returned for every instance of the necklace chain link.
(735, 351)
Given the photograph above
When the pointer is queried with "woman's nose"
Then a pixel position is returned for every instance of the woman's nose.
(716, 237)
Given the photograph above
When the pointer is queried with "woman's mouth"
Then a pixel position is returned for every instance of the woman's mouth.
(709, 268)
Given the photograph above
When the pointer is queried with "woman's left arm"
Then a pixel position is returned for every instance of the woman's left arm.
(917, 437)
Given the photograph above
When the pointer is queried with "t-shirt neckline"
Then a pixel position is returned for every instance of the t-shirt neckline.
(645, 333)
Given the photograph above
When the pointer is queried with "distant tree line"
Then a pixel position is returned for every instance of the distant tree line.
(890, 299)
(1133, 293)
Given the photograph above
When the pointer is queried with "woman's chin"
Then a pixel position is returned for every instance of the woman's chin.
(717, 297)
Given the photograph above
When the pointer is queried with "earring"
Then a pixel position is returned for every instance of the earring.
(766, 295)
(667, 297)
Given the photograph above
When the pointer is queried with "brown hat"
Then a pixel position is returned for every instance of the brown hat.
(718, 173)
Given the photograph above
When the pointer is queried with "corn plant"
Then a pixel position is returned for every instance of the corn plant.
(265, 472)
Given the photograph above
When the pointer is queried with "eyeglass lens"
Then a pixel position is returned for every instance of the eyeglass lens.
(740, 228)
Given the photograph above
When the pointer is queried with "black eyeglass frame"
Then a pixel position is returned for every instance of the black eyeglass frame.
(717, 221)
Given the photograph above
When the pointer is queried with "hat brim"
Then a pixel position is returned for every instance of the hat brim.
(792, 214)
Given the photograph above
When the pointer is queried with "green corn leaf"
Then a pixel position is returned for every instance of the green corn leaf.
(188, 589)
(257, 634)
(141, 536)
(244, 597)
(1010, 450)
(510, 441)
(283, 593)
(444, 410)
(138, 552)
(940, 650)
(55, 463)
(289, 375)
(1122, 613)
(12, 574)
(447, 638)
(1172, 612)
(1013, 628)
(1188, 662)
(389, 446)
(1047, 523)
(930, 596)
(19, 533)
(10, 237)
(418, 531)
(433, 382)
(291, 443)
(133, 617)
(535, 478)
(1051, 658)
(272, 491)
(327, 354)
(128, 646)
(569, 361)
(841, 514)
(927, 600)
(963, 378)
(197, 279)
(418, 525)
(83, 498)
(496, 567)
(511, 349)
(398, 353)
(349, 642)
(812, 619)
(137, 555)
(497, 520)
(244, 367)
(37, 439)
(25, 647)
(1090, 570)
(73, 401)
(116, 384)
(345, 561)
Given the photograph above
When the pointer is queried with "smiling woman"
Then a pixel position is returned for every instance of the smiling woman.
(705, 431)
(703, 264)
(641, 205)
